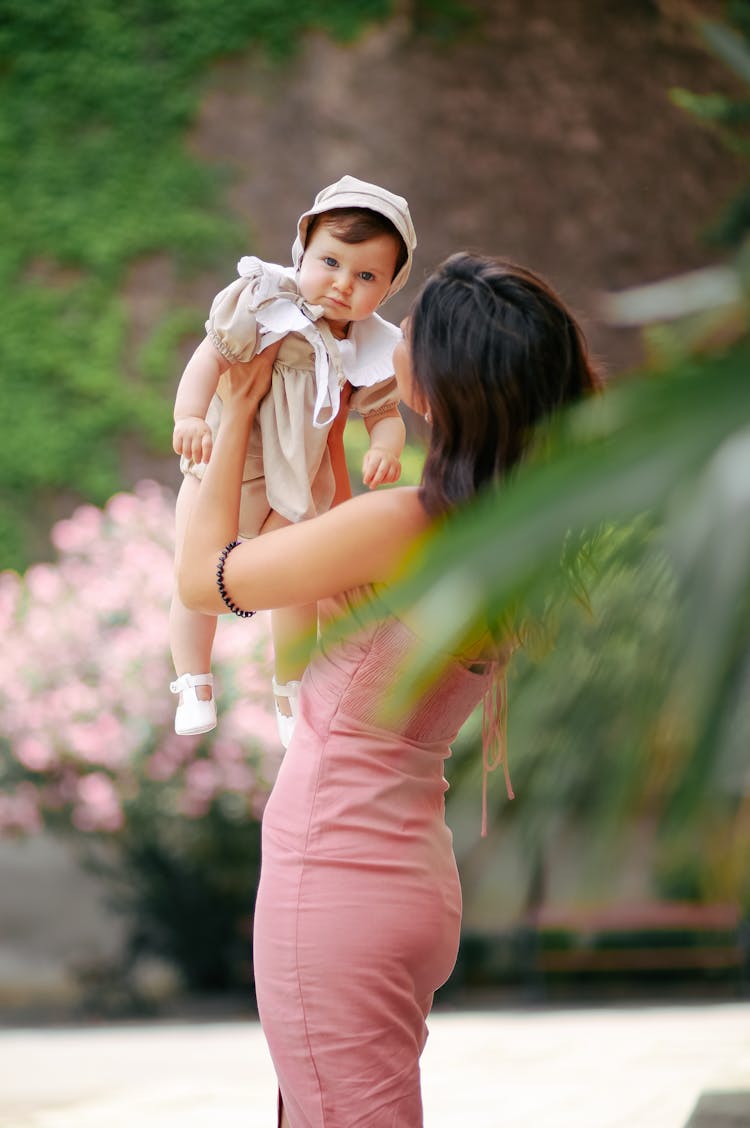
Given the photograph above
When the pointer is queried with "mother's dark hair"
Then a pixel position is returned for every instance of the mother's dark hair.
(493, 351)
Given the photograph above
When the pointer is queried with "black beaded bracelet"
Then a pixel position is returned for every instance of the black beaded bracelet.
(220, 584)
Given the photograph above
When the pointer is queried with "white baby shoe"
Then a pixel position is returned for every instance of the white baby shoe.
(286, 724)
(193, 714)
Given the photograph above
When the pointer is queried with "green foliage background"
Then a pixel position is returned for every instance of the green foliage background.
(625, 544)
(97, 99)
(94, 174)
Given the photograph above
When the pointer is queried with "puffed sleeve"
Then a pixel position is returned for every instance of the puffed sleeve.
(379, 399)
(231, 326)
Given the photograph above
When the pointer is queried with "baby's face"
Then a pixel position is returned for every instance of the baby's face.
(349, 280)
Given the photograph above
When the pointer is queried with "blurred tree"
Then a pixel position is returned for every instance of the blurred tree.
(640, 500)
(95, 173)
(730, 117)
(88, 749)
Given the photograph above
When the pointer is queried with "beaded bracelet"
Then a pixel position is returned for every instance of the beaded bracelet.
(220, 583)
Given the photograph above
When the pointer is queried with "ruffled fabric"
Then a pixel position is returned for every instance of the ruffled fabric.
(367, 353)
(270, 306)
(288, 466)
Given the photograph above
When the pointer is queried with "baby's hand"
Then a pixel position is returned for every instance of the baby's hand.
(192, 438)
(380, 467)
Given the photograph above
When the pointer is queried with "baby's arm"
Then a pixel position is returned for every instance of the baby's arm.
(192, 435)
(381, 464)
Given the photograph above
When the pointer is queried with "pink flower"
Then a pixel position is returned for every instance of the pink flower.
(201, 780)
(78, 532)
(84, 675)
(97, 807)
(225, 751)
(123, 509)
(160, 767)
(35, 754)
(65, 536)
(249, 721)
(172, 753)
(99, 742)
(192, 806)
(43, 583)
(19, 812)
(238, 777)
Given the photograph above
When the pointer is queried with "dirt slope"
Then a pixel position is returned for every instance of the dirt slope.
(546, 136)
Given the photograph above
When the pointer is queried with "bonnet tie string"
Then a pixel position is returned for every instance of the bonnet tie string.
(307, 320)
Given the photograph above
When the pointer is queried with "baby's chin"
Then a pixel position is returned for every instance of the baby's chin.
(338, 327)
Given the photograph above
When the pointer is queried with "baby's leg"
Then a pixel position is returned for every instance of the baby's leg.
(294, 631)
(191, 634)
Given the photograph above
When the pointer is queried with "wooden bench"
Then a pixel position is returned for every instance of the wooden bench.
(651, 937)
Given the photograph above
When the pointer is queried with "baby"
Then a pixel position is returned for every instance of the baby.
(353, 250)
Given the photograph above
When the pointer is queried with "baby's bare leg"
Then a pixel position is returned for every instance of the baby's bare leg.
(191, 634)
(294, 631)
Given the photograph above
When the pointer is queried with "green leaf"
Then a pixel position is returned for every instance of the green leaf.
(612, 459)
(728, 45)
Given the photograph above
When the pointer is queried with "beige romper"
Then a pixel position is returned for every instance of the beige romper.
(288, 467)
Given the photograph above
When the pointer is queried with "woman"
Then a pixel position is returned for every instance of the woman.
(359, 905)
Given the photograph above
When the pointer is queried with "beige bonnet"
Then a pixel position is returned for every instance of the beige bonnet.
(348, 192)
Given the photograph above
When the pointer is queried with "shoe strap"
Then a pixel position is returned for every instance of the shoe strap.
(288, 689)
(187, 681)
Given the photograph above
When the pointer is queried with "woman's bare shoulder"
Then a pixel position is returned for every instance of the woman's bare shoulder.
(398, 511)
(361, 541)
(371, 532)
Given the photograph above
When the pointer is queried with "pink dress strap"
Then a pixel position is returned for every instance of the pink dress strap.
(494, 735)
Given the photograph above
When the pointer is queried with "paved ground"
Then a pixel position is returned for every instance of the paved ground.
(535, 1068)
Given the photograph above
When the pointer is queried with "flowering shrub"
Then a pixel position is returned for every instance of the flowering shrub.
(87, 742)
(85, 711)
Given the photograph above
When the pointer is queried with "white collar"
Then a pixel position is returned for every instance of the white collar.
(364, 357)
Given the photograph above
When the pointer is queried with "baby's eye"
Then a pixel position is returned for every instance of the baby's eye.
(329, 260)
(367, 276)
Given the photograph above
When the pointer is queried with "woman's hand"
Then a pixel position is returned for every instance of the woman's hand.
(243, 386)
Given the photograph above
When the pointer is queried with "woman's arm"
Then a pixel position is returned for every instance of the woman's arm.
(361, 541)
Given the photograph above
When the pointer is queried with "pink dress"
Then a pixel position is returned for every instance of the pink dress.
(359, 904)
